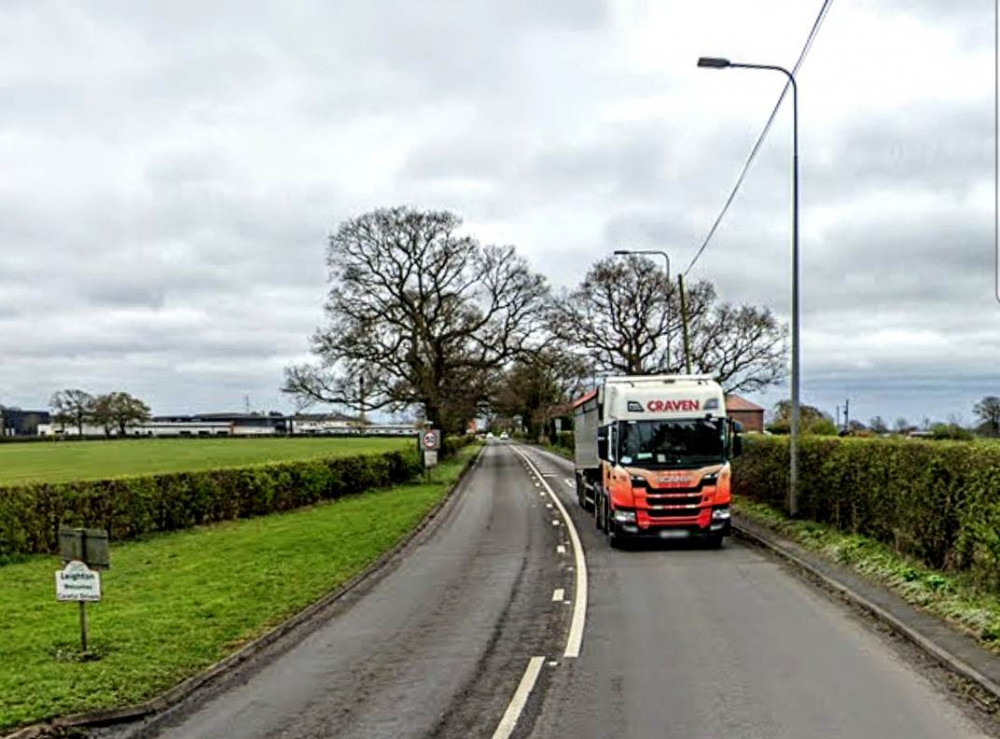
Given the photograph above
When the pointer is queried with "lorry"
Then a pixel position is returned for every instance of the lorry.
(652, 457)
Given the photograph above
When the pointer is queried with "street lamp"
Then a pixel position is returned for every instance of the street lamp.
(666, 258)
(793, 450)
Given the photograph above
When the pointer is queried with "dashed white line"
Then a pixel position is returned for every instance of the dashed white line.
(561, 549)
(506, 726)
(558, 594)
(569, 482)
(575, 639)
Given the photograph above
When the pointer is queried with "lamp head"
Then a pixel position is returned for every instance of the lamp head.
(713, 62)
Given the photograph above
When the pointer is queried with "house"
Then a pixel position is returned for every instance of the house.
(749, 414)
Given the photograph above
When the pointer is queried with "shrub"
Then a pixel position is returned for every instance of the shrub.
(937, 501)
(30, 515)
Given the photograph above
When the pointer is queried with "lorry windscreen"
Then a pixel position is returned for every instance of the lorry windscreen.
(676, 444)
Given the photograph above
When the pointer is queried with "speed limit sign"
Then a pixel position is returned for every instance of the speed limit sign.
(430, 441)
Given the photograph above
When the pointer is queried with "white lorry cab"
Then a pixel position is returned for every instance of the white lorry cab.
(652, 457)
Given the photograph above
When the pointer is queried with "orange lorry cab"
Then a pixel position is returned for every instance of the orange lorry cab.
(652, 457)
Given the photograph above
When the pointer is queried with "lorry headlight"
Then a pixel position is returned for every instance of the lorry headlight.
(720, 514)
(624, 516)
(639, 482)
(711, 479)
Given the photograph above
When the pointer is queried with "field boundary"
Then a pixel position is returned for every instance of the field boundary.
(772, 542)
(301, 621)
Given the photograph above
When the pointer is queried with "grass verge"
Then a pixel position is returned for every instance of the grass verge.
(93, 460)
(949, 596)
(175, 604)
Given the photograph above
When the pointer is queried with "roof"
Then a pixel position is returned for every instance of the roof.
(580, 401)
(738, 403)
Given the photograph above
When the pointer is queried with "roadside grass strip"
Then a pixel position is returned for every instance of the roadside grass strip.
(67, 461)
(174, 604)
(950, 596)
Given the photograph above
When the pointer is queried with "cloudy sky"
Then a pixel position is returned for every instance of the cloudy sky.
(171, 171)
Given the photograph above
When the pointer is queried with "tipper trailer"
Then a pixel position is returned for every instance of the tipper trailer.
(652, 457)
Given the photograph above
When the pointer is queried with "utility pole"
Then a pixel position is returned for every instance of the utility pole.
(684, 323)
(838, 416)
(361, 389)
(847, 415)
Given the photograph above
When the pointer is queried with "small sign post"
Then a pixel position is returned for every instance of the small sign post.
(81, 550)
(430, 443)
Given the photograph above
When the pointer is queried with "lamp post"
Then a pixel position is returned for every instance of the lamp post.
(793, 475)
(666, 258)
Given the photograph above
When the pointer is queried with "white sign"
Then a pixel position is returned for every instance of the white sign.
(78, 582)
(430, 458)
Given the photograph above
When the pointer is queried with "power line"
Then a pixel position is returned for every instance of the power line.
(763, 134)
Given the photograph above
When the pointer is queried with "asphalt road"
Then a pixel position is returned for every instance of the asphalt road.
(690, 642)
(679, 641)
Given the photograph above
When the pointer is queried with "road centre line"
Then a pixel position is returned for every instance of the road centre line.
(575, 639)
(558, 594)
(569, 482)
(506, 726)
(561, 549)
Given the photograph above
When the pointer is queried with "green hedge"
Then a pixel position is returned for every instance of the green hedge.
(30, 515)
(936, 501)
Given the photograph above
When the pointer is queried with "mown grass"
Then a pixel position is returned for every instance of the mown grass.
(176, 603)
(952, 597)
(98, 460)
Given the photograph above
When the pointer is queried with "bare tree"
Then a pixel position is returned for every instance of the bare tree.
(625, 317)
(988, 412)
(418, 315)
(537, 385)
(118, 410)
(72, 407)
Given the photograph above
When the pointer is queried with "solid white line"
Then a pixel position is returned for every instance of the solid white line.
(558, 594)
(575, 639)
(506, 726)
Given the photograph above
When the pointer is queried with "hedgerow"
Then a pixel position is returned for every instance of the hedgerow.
(31, 514)
(933, 500)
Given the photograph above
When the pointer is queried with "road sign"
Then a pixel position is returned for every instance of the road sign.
(430, 440)
(76, 581)
(430, 457)
(89, 546)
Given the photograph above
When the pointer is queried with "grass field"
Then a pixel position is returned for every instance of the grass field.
(177, 603)
(91, 460)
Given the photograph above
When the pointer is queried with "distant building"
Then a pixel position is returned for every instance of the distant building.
(749, 414)
(17, 422)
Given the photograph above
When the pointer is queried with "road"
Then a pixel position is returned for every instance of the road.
(678, 641)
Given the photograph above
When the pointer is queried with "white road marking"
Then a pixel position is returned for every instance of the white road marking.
(561, 549)
(558, 594)
(506, 726)
(569, 482)
(555, 521)
(548, 505)
(575, 639)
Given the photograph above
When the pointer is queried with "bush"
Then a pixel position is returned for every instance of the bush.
(30, 515)
(937, 501)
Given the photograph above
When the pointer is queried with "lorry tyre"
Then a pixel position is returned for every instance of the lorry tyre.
(715, 541)
(581, 492)
(615, 539)
(599, 509)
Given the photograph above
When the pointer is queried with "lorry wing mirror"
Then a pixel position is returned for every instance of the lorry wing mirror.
(737, 445)
(602, 443)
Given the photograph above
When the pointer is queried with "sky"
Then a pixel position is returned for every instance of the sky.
(172, 172)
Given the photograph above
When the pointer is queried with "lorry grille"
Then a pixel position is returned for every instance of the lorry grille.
(686, 512)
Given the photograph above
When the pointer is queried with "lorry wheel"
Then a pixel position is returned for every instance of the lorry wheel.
(615, 540)
(581, 493)
(715, 541)
(599, 509)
